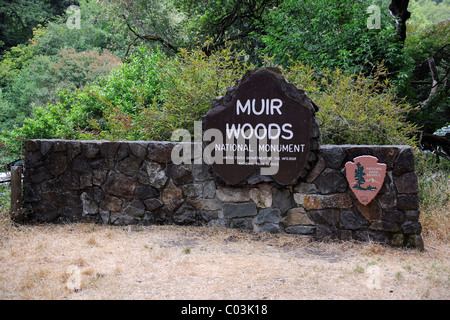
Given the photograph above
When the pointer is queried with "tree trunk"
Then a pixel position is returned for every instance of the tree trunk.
(399, 8)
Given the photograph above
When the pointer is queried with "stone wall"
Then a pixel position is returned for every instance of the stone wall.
(123, 183)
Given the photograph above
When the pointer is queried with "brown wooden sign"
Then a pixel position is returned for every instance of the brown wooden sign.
(265, 124)
(365, 177)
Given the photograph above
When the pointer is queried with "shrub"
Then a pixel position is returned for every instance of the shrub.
(355, 109)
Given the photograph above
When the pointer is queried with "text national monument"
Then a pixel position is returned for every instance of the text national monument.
(255, 164)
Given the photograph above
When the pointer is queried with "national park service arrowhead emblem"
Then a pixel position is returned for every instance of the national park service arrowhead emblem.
(365, 177)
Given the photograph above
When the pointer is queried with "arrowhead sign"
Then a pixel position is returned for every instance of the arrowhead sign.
(365, 177)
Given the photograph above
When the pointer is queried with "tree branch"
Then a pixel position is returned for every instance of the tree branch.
(149, 37)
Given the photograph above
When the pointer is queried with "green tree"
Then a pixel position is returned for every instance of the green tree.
(331, 34)
(359, 176)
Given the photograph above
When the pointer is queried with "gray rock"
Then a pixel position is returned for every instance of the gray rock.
(193, 190)
(180, 174)
(79, 164)
(412, 227)
(206, 204)
(333, 155)
(156, 175)
(271, 215)
(407, 202)
(352, 220)
(152, 204)
(407, 183)
(233, 194)
(123, 151)
(296, 216)
(111, 203)
(318, 168)
(397, 240)
(415, 241)
(56, 163)
(145, 192)
(209, 189)
(331, 181)
(412, 215)
(172, 196)
(134, 209)
(108, 149)
(241, 223)
(160, 151)
(304, 187)
(129, 166)
(138, 149)
(268, 227)
(119, 185)
(325, 216)
(236, 210)
(393, 216)
(283, 200)
(404, 162)
(90, 207)
(90, 149)
(200, 172)
(300, 229)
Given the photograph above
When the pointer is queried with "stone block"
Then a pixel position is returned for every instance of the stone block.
(415, 241)
(318, 201)
(385, 154)
(129, 166)
(397, 240)
(404, 162)
(56, 163)
(134, 209)
(90, 149)
(138, 149)
(152, 204)
(351, 220)
(156, 174)
(371, 212)
(296, 216)
(345, 235)
(305, 230)
(304, 187)
(412, 227)
(382, 225)
(333, 155)
(407, 183)
(160, 151)
(283, 200)
(119, 185)
(145, 192)
(395, 216)
(268, 227)
(193, 190)
(314, 173)
(262, 195)
(209, 190)
(325, 217)
(233, 194)
(206, 204)
(241, 223)
(407, 202)
(238, 210)
(180, 174)
(90, 207)
(331, 181)
(271, 215)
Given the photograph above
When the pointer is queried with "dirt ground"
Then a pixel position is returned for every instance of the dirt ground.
(85, 261)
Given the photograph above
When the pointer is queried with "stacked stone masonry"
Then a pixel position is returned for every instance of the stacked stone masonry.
(123, 183)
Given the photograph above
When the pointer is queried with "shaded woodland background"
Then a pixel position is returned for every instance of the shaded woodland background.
(141, 69)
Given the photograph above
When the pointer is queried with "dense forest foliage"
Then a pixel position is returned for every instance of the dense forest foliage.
(122, 69)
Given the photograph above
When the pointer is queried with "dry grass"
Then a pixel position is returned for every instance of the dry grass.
(172, 262)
